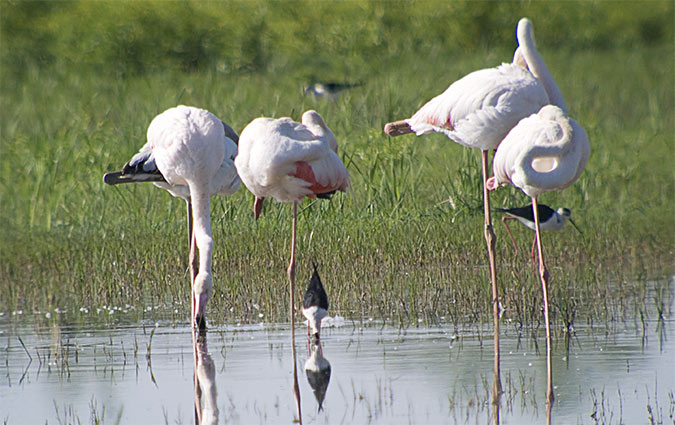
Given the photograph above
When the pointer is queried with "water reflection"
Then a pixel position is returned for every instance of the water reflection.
(318, 370)
(206, 394)
(59, 372)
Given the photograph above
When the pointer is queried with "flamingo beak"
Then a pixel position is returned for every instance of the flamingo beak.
(200, 311)
(257, 207)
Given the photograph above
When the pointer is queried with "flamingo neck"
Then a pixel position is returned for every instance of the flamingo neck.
(313, 121)
(536, 65)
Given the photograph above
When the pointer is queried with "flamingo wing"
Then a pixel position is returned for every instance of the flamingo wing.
(140, 168)
(182, 141)
(478, 110)
(188, 144)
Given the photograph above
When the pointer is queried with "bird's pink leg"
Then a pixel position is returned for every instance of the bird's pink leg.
(291, 278)
(544, 275)
(534, 245)
(291, 266)
(491, 241)
(515, 247)
(192, 262)
(257, 207)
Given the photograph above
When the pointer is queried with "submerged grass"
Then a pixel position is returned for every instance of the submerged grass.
(406, 246)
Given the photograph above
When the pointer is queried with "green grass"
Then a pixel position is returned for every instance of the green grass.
(409, 244)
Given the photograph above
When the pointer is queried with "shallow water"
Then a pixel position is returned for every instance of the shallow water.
(144, 374)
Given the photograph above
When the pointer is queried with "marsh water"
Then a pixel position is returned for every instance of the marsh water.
(142, 371)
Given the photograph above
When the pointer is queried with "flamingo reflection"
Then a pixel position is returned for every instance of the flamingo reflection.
(206, 394)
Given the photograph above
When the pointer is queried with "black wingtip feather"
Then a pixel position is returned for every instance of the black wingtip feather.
(120, 177)
(112, 178)
(326, 195)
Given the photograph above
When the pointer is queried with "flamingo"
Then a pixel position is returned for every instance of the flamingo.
(477, 111)
(190, 153)
(288, 161)
(551, 219)
(545, 151)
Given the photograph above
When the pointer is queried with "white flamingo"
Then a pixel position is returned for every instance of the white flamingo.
(288, 161)
(545, 151)
(478, 110)
(190, 153)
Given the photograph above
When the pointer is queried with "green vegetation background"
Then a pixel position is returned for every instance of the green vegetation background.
(81, 80)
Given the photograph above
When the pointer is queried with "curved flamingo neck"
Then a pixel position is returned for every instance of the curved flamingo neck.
(536, 65)
(312, 120)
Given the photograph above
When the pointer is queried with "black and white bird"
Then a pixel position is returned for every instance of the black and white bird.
(330, 91)
(315, 304)
(318, 370)
(550, 219)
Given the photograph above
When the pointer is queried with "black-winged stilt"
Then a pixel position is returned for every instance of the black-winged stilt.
(315, 305)
(550, 219)
(328, 90)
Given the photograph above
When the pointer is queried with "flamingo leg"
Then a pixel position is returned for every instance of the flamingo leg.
(192, 262)
(491, 240)
(291, 278)
(544, 275)
(534, 246)
(515, 247)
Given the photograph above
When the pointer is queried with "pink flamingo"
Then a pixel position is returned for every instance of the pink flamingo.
(190, 153)
(545, 151)
(477, 111)
(288, 161)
